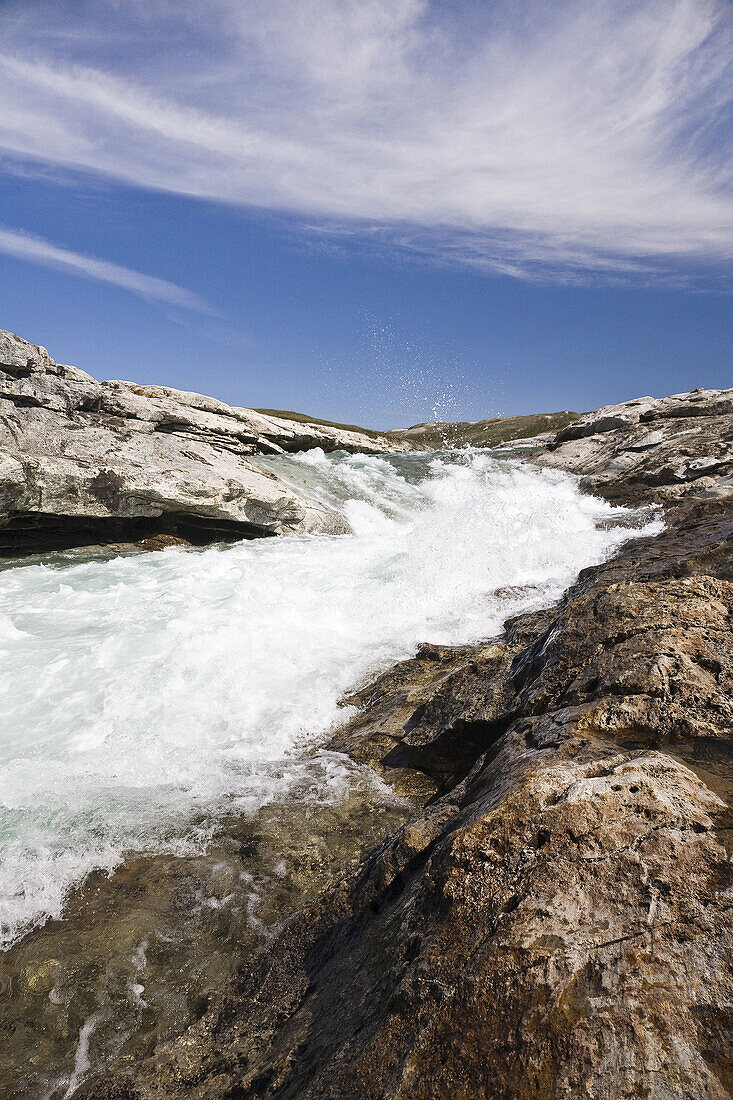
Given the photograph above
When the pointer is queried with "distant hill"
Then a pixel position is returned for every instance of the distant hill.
(433, 434)
(482, 433)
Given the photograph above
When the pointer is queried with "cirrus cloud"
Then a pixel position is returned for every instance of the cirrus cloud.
(523, 138)
(26, 246)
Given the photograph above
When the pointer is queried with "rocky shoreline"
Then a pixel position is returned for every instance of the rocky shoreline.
(84, 463)
(650, 450)
(548, 914)
(554, 919)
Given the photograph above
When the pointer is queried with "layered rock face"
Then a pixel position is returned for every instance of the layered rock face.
(84, 462)
(650, 449)
(555, 921)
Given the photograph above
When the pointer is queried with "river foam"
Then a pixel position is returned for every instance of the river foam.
(145, 696)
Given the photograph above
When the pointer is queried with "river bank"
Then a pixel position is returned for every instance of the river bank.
(556, 920)
(504, 875)
(169, 793)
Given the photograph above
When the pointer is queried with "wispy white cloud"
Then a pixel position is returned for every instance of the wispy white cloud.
(518, 136)
(25, 246)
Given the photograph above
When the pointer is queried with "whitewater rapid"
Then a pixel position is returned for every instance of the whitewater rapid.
(142, 697)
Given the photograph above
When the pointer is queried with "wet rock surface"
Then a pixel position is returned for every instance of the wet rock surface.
(85, 462)
(546, 932)
(554, 919)
(140, 954)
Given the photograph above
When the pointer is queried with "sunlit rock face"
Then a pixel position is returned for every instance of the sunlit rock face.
(85, 462)
(555, 921)
(649, 449)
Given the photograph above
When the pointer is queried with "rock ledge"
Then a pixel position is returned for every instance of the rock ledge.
(85, 462)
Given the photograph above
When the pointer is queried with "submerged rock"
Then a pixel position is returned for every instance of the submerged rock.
(85, 462)
(139, 953)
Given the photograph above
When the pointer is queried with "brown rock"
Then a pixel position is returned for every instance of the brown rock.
(557, 923)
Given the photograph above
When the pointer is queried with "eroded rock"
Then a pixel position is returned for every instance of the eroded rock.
(85, 462)
(617, 456)
(557, 922)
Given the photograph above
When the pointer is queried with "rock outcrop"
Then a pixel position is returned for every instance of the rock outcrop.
(555, 921)
(650, 449)
(85, 462)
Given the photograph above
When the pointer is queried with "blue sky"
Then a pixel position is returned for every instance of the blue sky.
(372, 211)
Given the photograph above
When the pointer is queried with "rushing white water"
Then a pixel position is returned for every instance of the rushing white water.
(142, 697)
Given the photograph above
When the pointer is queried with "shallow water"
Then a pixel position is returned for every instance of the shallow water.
(169, 710)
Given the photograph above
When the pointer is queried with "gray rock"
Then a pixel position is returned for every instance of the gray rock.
(86, 462)
(607, 419)
(699, 402)
(699, 467)
(617, 456)
(645, 442)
